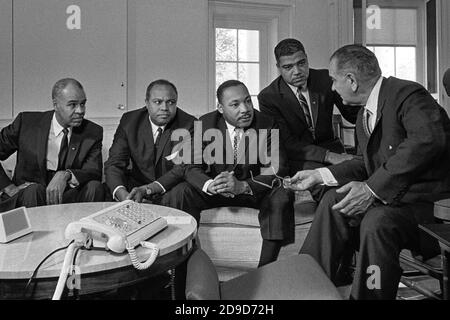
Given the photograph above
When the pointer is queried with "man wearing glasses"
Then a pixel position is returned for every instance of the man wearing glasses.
(233, 168)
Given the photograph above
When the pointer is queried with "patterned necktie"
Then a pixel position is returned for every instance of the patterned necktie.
(304, 105)
(64, 148)
(366, 122)
(236, 139)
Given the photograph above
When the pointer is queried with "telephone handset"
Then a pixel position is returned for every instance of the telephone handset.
(121, 227)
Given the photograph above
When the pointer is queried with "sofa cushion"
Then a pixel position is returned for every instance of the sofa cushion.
(304, 213)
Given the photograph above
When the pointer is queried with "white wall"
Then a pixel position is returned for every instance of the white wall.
(312, 28)
(169, 39)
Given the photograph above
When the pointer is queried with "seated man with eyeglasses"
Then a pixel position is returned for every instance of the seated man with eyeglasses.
(236, 165)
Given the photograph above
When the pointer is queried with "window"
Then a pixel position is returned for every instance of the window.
(394, 31)
(238, 57)
(242, 38)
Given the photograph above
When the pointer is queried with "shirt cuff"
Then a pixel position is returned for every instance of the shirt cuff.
(375, 195)
(164, 189)
(206, 185)
(114, 192)
(327, 177)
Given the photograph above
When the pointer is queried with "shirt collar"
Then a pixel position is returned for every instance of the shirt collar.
(230, 127)
(155, 127)
(57, 128)
(372, 102)
(294, 89)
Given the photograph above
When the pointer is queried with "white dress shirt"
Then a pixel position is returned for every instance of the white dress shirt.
(54, 144)
(372, 106)
(155, 134)
(231, 133)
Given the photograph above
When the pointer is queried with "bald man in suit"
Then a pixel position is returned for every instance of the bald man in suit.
(59, 156)
(390, 188)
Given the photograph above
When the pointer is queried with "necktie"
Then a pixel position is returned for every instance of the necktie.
(305, 107)
(63, 151)
(158, 137)
(366, 122)
(236, 139)
(158, 167)
(157, 140)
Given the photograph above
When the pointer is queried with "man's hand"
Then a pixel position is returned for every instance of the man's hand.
(121, 194)
(12, 189)
(56, 187)
(336, 158)
(303, 180)
(137, 194)
(227, 185)
(358, 199)
(142, 192)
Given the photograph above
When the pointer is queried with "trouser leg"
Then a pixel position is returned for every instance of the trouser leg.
(384, 232)
(328, 236)
(93, 191)
(32, 196)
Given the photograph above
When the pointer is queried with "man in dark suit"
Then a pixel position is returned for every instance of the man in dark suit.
(139, 164)
(235, 169)
(302, 102)
(59, 157)
(402, 168)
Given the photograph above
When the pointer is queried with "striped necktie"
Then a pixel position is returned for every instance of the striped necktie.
(237, 133)
(305, 108)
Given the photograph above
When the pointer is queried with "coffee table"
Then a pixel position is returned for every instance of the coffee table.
(100, 270)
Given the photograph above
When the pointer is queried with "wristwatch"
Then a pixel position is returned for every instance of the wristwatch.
(148, 190)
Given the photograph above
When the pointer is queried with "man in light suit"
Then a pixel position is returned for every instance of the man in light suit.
(137, 166)
(59, 157)
(302, 102)
(402, 168)
(238, 173)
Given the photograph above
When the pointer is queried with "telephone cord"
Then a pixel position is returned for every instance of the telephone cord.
(135, 260)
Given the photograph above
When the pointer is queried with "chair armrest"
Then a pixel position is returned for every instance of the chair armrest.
(202, 282)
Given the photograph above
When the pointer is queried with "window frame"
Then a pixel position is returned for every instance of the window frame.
(278, 24)
(263, 45)
(420, 6)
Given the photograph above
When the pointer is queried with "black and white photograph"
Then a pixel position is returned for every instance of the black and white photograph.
(186, 152)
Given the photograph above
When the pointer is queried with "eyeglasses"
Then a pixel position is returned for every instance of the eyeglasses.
(277, 182)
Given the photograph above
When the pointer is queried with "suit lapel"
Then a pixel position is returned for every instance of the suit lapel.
(293, 105)
(381, 104)
(363, 140)
(314, 97)
(146, 134)
(228, 145)
(162, 143)
(42, 140)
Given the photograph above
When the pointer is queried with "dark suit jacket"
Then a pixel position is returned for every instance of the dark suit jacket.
(278, 101)
(407, 157)
(133, 142)
(197, 175)
(28, 135)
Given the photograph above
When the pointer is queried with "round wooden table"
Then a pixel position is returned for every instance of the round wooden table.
(100, 270)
